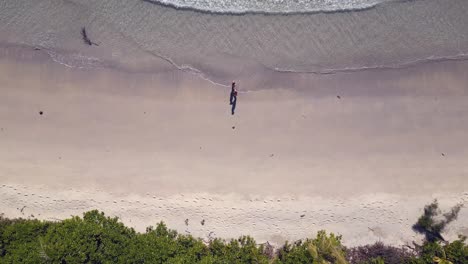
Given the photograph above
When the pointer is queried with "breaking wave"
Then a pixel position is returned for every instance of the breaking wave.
(239, 7)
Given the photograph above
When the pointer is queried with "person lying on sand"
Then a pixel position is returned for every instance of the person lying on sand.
(233, 98)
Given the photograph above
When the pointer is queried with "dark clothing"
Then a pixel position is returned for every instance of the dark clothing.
(233, 96)
(233, 105)
(233, 100)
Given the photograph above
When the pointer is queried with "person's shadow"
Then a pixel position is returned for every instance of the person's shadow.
(233, 98)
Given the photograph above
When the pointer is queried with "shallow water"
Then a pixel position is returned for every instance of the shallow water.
(141, 36)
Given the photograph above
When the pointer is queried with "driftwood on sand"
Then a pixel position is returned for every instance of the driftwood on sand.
(86, 39)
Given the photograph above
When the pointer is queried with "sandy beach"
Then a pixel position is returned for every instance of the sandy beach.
(278, 170)
(358, 152)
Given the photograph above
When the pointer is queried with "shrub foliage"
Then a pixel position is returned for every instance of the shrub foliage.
(96, 238)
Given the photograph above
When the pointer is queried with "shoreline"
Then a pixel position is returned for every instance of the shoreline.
(426, 78)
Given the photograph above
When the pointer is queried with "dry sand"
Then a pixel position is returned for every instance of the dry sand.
(164, 147)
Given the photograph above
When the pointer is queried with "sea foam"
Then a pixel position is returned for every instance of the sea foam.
(269, 6)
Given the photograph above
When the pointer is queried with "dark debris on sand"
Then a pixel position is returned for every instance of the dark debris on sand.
(85, 37)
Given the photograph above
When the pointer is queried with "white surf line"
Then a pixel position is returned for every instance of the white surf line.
(97, 63)
(407, 64)
(182, 67)
(263, 10)
(186, 68)
(190, 69)
(94, 62)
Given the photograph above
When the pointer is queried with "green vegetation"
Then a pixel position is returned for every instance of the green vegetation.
(95, 238)
(321, 250)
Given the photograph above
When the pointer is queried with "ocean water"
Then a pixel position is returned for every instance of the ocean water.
(223, 40)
